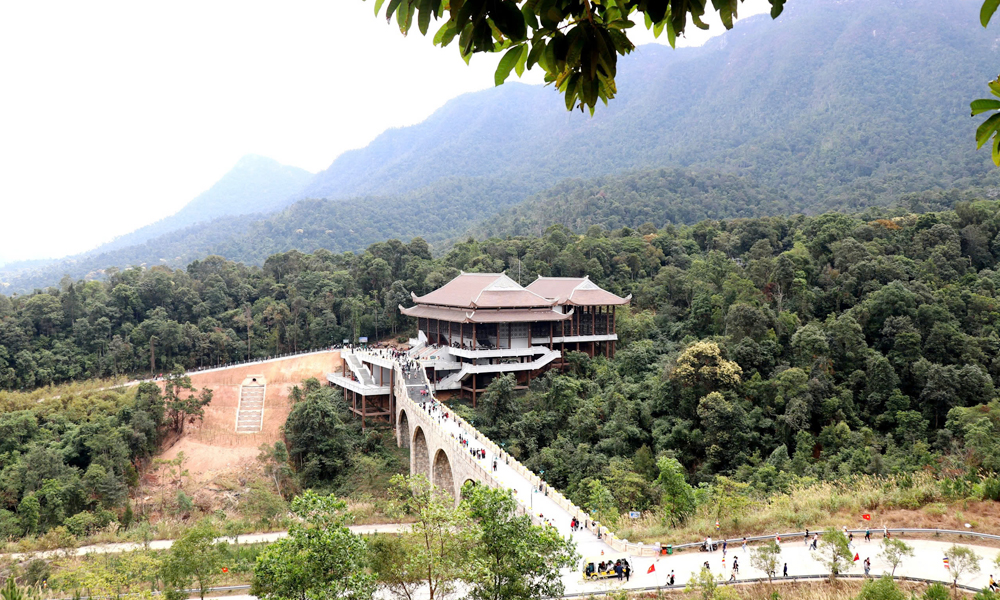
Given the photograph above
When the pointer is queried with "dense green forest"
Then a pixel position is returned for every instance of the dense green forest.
(764, 349)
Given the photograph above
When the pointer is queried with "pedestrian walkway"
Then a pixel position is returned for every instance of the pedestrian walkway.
(536, 502)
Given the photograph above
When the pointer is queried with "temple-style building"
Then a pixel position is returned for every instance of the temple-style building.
(479, 325)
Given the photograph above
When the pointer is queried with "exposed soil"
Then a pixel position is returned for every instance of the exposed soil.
(212, 447)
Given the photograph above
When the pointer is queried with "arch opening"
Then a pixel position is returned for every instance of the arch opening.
(420, 456)
(403, 430)
(442, 476)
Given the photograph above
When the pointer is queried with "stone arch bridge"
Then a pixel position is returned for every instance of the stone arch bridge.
(434, 449)
(435, 452)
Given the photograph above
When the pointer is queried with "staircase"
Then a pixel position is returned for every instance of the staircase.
(454, 381)
(250, 413)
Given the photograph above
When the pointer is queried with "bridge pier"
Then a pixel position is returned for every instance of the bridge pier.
(433, 453)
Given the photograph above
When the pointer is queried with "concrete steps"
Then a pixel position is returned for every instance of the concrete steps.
(250, 413)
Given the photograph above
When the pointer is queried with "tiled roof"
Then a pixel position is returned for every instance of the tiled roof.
(576, 291)
(483, 290)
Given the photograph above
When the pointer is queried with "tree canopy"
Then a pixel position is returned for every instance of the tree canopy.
(576, 43)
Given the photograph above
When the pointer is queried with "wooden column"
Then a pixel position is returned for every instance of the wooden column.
(614, 325)
(474, 343)
(551, 327)
(392, 399)
(593, 321)
(474, 384)
(364, 409)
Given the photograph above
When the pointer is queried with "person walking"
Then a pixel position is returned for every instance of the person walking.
(736, 565)
(744, 543)
(628, 572)
(868, 566)
(725, 545)
(806, 538)
(671, 580)
(732, 575)
(868, 534)
(785, 572)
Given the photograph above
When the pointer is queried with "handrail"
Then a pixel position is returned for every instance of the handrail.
(798, 534)
(651, 588)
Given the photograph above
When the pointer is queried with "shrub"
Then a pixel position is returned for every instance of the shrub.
(38, 571)
(81, 524)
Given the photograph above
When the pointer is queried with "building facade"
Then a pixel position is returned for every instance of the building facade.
(481, 325)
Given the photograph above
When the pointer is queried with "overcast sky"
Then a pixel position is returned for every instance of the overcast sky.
(116, 114)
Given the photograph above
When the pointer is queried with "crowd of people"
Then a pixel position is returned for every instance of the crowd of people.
(619, 569)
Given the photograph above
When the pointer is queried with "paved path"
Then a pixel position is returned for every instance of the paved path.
(926, 564)
(250, 538)
(537, 503)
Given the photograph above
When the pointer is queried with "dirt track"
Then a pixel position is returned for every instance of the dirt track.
(213, 446)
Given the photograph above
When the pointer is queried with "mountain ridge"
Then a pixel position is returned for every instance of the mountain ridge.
(837, 105)
(255, 184)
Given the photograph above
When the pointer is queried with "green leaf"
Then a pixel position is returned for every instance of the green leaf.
(987, 128)
(424, 20)
(986, 12)
(509, 20)
(522, 58)
(443, 34)
(995, 87)
(578, 43)
(506, 64)
(378, 6)
(776, 7)
(393, 5)
(983, 105)
(536, 53)
(996, 150)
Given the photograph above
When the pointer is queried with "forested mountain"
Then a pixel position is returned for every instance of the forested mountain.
(256, 184)
(839, 103)
(659, 197)
(308, 225)
(835, 105)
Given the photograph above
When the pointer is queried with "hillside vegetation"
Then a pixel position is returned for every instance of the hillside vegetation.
(766, 350)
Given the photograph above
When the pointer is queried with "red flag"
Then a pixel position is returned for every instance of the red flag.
(225, 569)
(866, 517)
(652, 568)
(856, 557)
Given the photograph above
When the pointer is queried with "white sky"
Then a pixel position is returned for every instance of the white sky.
(114, 114)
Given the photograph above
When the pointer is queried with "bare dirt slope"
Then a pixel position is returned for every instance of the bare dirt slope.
(213, 447)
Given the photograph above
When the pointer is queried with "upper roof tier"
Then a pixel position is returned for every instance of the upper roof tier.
(483, 290)
(575, 291)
